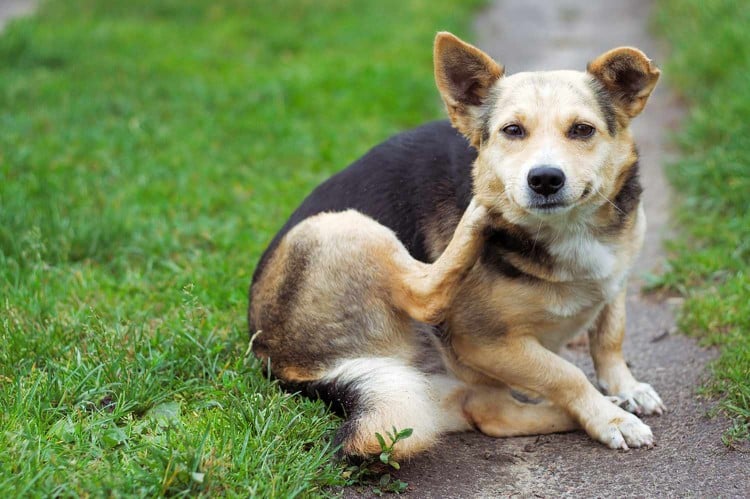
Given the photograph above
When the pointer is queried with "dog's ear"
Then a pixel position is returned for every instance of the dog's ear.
(628, 76)
(464, 75)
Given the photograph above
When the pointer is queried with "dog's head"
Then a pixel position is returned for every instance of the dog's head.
(551, 144)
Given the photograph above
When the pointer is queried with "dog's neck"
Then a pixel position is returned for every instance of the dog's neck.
(573, 247)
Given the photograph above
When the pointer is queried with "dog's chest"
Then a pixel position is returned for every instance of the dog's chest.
(586, 272)
(552, 287)
(580, 256)
(563, 289)
(587, 275)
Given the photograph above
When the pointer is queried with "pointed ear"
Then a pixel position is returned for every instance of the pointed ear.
(464, 76)
(628, 76)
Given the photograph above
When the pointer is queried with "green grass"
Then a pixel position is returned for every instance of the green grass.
(710, 65)
(148, 152)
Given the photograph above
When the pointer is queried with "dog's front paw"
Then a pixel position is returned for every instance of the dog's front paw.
(622, 430)
(641, 399)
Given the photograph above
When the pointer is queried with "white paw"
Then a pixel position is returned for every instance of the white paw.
(622, 430)
(641, 399)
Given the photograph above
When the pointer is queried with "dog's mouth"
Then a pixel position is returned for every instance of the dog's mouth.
(557, 204)
(542, 205)
(547, 206)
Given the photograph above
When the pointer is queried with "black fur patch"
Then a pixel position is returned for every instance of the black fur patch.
(493, 256)
(630, 193)
(502, 240)
(606, 105)
(344, 399)
(396, 183)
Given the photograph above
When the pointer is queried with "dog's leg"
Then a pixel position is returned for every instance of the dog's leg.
(495, 412)
(613, 375)
(522, 361)
(425, 291)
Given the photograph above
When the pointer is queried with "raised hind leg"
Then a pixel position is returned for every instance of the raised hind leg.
(425, 291)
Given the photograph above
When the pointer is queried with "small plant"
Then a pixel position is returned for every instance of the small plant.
(386, 483)
(387, 450)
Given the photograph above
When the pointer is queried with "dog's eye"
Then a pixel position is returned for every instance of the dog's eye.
(514, 131)
(581, 131)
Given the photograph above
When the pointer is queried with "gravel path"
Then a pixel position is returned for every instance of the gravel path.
(690, 459)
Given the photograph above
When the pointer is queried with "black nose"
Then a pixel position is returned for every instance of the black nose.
(546, 180)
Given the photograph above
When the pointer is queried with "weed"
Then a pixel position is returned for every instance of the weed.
(377, 470)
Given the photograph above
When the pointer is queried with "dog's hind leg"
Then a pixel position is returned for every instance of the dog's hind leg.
(336, 315)
(425, 291)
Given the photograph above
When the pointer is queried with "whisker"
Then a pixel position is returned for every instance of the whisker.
(607, 200)
(538, 230)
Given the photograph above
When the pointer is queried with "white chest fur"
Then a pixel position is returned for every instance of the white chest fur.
(579, 255)
(588, 271)
(589, 274)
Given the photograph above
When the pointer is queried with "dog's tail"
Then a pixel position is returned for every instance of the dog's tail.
(378, 394)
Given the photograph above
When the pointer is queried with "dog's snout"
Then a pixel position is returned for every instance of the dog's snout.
(546, 180)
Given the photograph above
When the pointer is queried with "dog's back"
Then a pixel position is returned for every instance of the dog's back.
(403, 183)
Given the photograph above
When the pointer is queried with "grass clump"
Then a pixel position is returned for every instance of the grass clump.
(149, 151)
(710, 65)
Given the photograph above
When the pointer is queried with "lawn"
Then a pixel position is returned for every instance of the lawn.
(710, 65)
(148, 152)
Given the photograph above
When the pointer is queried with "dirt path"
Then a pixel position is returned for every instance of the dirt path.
(690, 459)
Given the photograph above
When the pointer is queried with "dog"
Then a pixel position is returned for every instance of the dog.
(430, 284)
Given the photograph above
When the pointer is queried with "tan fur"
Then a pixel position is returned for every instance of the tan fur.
(345, 293)
(426, 291)
(496, 413)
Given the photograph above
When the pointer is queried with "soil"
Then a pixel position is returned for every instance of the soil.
(689, 458)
